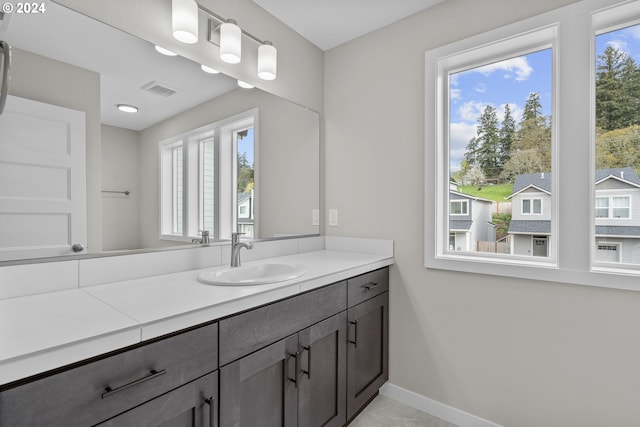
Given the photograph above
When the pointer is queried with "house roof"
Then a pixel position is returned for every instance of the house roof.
(529, 227)
(467, 196)
(540, 180)
(618, 230)
(459, 225)
(626, 175)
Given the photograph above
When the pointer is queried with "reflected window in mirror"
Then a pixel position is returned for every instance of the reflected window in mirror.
(207, 180)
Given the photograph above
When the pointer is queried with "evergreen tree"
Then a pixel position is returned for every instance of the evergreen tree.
(507, 136)
(534, 133)
(487, 136)
(616, 82)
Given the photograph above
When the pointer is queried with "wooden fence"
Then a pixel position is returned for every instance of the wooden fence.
(494, 247)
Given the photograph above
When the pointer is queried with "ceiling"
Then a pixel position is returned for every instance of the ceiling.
(329, 23)
(126, 65)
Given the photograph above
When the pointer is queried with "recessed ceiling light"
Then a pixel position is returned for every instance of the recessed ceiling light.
(128, 108)
(164, 51)
(209, 69)
(245, 85)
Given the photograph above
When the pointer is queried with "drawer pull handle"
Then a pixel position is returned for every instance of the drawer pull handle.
(108, 391)
(370, 285)
(211, 401)
(355, 333)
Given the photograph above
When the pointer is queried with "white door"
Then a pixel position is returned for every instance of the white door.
(42, 180)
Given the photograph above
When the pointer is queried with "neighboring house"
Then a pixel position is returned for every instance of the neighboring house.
(617, 234)
(469, 221)
(245, 214)
(617, 215)
(530, 225)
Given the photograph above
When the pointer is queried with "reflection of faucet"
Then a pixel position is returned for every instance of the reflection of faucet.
(205, 237)
(236, 245)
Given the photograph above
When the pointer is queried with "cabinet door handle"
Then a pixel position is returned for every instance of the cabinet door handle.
(370, 285)
(212, 410)
(308, 371)
(108, 391)
(355, 333)
(294, 380)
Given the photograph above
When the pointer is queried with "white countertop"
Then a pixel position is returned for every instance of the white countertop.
(48, 330)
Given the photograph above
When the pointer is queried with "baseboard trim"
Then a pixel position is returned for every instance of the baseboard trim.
(435, 408)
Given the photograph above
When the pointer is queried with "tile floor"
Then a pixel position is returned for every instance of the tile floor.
(386, 412)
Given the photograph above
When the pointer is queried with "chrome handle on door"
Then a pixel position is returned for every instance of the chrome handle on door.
(294, 380)
(370, 285)
(211, 401)
(4, 89)
(78, 247)
(108, 391)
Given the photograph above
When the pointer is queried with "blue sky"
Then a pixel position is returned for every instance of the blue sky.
(511, 81)
(245, 145)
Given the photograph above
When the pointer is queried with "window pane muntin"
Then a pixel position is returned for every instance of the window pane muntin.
(459, 207)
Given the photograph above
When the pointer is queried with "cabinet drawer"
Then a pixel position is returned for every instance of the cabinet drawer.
(93, 392)
(368, 285)
(255, 329)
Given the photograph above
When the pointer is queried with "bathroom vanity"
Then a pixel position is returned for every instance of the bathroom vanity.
(315, 357)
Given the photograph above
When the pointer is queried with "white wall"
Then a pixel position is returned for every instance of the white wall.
(120, 212)
(517, 352)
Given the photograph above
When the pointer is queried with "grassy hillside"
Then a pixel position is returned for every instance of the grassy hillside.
(492, 192)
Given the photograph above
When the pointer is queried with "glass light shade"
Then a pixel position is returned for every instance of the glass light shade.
(184, 20)
(230, 42)
(267, 61)
(245, 85)
(165, 51)
(209, 70)
(127, 108)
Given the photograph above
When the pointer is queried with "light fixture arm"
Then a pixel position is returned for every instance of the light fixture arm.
(220, 20)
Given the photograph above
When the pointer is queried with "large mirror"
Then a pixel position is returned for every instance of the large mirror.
(62, 59)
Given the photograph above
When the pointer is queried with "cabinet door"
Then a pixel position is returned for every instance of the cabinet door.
(368, 350)
(192, 405)
(323, 373)
(261, 389)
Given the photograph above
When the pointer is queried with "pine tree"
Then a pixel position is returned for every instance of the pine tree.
(615, 75)
(487, 136)
(507, 136)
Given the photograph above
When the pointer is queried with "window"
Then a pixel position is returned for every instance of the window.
(531, 206)
(568, 225)
(207, 180)
(613, 207)
(459, 207)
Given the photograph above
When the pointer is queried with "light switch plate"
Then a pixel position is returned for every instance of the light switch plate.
(333, 217)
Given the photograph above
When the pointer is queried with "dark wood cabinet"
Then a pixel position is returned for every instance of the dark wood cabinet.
(323, 373)
(260, 389)
(368, 351)
(192, 405)
(314, 359)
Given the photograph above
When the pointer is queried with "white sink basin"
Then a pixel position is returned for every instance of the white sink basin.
(258, 274)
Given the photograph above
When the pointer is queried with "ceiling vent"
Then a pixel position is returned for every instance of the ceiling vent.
(159, 89)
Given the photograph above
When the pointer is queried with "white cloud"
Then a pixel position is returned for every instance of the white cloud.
(459, 137)
(518, 67)
(471, 110)
(455, 93)
(481, 88)
(619, 45)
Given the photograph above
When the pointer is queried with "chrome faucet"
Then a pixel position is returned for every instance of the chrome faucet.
(204, 239)
(236, 245)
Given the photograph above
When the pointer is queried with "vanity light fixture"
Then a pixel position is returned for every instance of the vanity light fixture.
(127, 108)
(209, 70)
(245, 85)
(184, 20)
(227, 35)
(164, 51)
(267, 61)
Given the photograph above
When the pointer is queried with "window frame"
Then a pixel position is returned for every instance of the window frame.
(463, 202)
(532, 204)
(611, 208)
(572, 241)
(223, 133)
